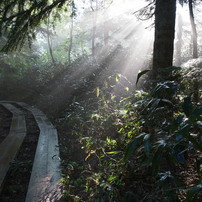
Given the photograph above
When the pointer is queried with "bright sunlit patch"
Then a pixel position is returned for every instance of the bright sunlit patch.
(126, 6)
(183, 11)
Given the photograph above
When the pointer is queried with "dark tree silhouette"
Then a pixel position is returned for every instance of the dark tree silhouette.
(194, 32)
(164, 35)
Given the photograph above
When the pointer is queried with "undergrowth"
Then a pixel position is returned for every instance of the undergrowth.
(137, 143)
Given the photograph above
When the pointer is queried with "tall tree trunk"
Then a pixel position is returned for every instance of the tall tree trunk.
(71, 31)
(70, 40)
(164, 35)
(106, 26)
(50, 42)
(94, 21)
(179, 40)
(194, 32)
(93, 39)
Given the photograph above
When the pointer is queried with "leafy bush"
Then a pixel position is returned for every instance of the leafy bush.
(191, 82)
(138, 136)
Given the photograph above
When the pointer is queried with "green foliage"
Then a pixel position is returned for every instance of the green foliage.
(127, 137)
(132, 139)
(148, 134)
(19, 19)
(140, 74)
(193, 192)
(191, 82)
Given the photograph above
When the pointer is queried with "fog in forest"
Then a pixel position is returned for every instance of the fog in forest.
(120, 34)
(100, 100)
(96, 36)
(115, 34)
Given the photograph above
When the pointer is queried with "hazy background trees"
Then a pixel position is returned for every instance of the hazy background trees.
(92, 27)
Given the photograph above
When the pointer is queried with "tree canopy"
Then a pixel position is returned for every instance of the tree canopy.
(19, 19)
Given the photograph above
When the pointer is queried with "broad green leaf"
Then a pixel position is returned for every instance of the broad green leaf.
(97, 90)
(133, 145)
(184, 130)
(112, 178)
(193, 191)
(165, 175)
(168, 102)
(161, 143)
(187, 106)
(194, 142)
(147, 144)
(196, 114)
(140, 74)
(113, 152)
(199, 124)
(117, 77)
(157, 159)
(179, 137)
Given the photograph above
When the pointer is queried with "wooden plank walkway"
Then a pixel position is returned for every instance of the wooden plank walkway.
(11, 144)
(46, 172)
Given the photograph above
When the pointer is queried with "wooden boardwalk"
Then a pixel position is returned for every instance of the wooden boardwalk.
(46, 174)
(11, 144)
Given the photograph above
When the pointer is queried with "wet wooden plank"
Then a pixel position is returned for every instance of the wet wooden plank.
(11, 144)
(46, 172)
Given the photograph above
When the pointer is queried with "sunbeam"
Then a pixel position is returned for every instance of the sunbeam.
(120, 41)
(120, 81)
(126, 30)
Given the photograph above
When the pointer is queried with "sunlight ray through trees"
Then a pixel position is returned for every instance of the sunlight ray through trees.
(118, 80)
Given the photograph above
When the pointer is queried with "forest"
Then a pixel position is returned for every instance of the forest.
(120, 81)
